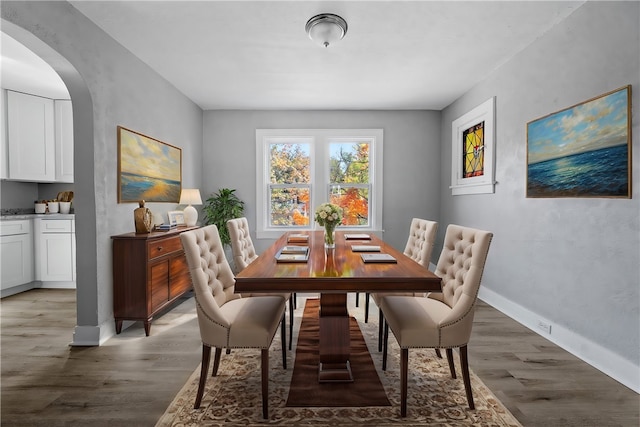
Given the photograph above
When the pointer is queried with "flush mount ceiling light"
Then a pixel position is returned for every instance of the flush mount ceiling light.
(326, 28)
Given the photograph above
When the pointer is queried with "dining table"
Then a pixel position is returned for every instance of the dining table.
(333, 273)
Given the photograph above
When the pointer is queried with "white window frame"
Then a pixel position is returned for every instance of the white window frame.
(484, 112)
(319, 172)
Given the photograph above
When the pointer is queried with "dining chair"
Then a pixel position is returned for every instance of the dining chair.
(441, 320)
(226, 319)
(422, 236)
(244, 253)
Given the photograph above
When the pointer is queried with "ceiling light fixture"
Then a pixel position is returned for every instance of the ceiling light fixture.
(326, 28)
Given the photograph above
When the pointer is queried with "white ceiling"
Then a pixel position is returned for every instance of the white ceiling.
(24, 71)
(256, 55)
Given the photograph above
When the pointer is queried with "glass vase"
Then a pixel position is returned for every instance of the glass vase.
(329, 237)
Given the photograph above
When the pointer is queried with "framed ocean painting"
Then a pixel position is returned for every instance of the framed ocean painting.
(148, 169)
(582, 151)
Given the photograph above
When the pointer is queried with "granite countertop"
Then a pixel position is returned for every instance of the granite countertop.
(14, 217)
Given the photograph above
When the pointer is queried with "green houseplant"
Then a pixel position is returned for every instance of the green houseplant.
(221, 207)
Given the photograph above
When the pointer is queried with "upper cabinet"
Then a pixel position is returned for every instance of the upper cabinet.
(39, 140)
(64, 140)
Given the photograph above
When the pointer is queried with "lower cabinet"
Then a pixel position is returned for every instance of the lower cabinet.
(16, 253)
(149, 273)
(55, 252)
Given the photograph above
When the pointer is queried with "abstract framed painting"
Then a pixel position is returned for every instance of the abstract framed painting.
(148, 169)
(583, 150)
(473, 151)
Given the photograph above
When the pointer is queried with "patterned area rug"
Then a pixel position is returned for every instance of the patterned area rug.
(233, 397)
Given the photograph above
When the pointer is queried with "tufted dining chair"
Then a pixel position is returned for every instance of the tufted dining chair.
(441, 320)
(422, 235)
(226, 319)
(244, 253)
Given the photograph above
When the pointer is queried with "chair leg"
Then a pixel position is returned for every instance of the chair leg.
(380, 328)
(366, 307)
(438, 353)
(385, 346)
(283, 336)
(265, 383)
(206, 356)
(452, 366)
(295, 301)
(465, 376)
(291, 308)
(357, 299)
(216, 362)
(404, 370)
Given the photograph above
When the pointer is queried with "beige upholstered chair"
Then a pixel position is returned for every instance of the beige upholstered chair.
(244, 253)
(422, 235)
(226, 319)
(441, 320)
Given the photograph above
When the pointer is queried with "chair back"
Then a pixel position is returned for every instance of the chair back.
(460, 266)
(213, 281)
(422, 235)
(241, 244)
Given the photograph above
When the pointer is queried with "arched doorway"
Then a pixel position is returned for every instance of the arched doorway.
(87, 330)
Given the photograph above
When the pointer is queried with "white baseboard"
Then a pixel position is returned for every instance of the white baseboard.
(601, 358)
(89, 336)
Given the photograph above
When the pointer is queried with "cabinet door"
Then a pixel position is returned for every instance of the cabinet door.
(159, 281)
(64, 140)
(180, 277)
(30, 137)
(55, 257)
(4, 149)
(16, 260)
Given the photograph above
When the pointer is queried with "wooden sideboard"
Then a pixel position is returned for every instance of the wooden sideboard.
(150, 272)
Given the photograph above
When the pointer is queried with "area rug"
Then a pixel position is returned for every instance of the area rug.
(233, 398)
(305, 390)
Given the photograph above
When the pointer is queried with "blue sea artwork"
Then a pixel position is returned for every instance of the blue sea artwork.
(582, 151)
(150, 170)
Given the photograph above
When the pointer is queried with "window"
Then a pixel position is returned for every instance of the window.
(298, 169)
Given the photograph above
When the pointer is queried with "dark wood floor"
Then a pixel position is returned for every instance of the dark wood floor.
(131, 379)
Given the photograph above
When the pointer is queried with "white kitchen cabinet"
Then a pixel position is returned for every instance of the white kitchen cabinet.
(55, 252)
(16, 253)
(4, 161)
(63, 140)
(30, 137)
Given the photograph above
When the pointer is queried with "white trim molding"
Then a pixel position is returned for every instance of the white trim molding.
(483, 114)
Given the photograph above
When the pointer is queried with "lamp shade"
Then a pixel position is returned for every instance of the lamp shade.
(326, 28)
(190, 196)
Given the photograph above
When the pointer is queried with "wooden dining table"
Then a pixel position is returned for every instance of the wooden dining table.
(333, 273)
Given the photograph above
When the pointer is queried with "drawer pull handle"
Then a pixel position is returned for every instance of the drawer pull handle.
(159, 248)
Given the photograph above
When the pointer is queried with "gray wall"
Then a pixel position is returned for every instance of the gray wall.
(108, 87)
(411, 158)
(570, 261)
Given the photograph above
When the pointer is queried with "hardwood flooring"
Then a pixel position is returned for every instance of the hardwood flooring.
(131, 379)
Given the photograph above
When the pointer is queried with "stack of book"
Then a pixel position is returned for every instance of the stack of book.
(166, 227)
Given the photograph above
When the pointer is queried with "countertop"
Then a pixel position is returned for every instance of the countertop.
(33, 216)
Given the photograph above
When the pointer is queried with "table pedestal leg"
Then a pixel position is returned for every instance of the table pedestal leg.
(335, 340)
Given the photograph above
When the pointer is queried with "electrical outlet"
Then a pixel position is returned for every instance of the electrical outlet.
(544, 326)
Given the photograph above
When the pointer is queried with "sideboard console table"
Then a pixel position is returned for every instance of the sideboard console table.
(150, 272)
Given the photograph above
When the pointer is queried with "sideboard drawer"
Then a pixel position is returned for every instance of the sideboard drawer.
(158, 248)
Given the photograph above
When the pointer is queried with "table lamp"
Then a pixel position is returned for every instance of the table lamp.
(190, 196)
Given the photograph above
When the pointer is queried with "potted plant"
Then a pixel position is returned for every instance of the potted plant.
(221, 207)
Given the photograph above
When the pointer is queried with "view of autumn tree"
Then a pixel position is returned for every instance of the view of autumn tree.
(290, 166)
(349, 176)
(290, 179)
